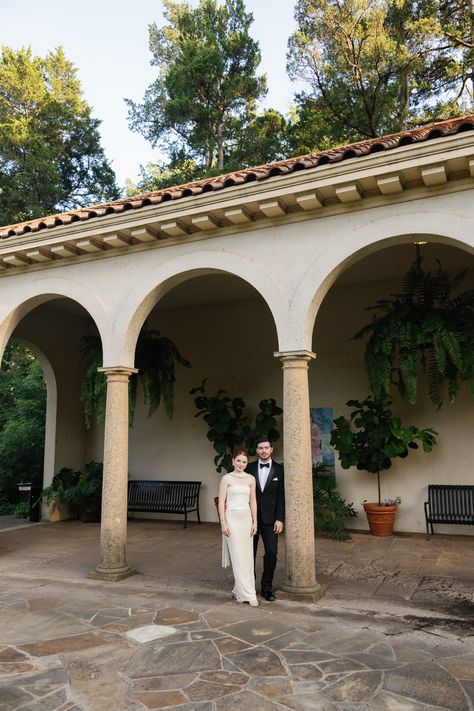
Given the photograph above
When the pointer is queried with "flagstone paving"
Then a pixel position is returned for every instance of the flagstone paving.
(145, 643)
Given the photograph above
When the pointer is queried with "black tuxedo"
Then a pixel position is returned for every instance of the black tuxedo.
(270, 508)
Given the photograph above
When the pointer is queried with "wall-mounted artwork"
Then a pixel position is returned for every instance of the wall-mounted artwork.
(321, 426)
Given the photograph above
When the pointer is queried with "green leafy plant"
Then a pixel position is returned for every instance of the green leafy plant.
(81, 489)
(155, 358)
(373, 436)
(227, 421)
(22, 509)
(426, 327)
(22, 420)
(330, 509)
(6, 509)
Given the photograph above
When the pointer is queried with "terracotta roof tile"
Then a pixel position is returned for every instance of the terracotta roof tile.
(246, 175)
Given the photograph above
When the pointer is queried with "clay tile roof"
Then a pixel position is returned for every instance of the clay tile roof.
(246, 175)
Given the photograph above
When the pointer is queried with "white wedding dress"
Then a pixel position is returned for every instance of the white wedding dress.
(237, 548)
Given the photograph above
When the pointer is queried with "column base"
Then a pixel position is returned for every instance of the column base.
(112, 574)
(310, 594)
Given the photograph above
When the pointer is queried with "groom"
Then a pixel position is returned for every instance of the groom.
(270, 510)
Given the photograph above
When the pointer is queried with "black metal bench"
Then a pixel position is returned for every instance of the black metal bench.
(171, 497)
(449, 503)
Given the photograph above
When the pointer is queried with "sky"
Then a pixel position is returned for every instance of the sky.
(108, 41)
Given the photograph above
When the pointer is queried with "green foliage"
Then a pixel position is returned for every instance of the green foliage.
(226, 418)
(330, 509)
(6, 509)
(206, 85)
(22, 420)
(263, 139)
(22, 509)
(81, 489)
(373, 436)
(157, 176)
(429, 327)
(376, 67)
(155, 357)
(50, 153)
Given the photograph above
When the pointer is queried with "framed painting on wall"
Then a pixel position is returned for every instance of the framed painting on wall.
(321, 451)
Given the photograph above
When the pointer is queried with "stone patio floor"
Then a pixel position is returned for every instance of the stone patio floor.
(394, 632)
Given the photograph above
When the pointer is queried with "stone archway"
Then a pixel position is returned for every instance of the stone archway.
(51, 410)
(51, 326)
(339, 375)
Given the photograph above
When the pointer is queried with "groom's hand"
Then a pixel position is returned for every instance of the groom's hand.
(278, 527)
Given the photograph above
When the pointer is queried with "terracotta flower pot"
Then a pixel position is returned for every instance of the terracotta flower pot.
(380, 518)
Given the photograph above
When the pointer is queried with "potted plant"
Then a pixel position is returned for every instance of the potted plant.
(428, 327)
(330, 509)
(80, 490)
(369, 440)
(155, 358)
(227, 421)
(86, 494)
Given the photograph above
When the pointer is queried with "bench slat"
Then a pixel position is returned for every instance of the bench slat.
(449, 503)
(163, 496)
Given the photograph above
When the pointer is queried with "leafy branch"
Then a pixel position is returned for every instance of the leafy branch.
(227, 422)
(155, 357)
(424, 328)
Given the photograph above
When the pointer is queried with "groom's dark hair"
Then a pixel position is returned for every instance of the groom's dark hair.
(261, 440)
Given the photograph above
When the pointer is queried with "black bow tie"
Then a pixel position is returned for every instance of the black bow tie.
(265, 465)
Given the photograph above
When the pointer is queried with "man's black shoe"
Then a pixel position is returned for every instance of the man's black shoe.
(268, 595)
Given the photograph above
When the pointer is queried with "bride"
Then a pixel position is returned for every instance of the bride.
(238, 517)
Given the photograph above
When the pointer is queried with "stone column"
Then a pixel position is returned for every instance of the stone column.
(300, 583)
(113, 528)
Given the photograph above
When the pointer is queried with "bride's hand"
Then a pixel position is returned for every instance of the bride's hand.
(225, 530)
(253, 529)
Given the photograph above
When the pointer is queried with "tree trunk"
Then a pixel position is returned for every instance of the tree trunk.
(220, 147)
(471, 50)
(404, 99)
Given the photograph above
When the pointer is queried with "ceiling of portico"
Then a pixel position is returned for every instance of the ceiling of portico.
(392, 262)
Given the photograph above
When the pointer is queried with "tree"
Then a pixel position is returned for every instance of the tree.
(22, 420)
(360, 61)
(374, 67)
(456, 19)
(207, 84)
(373, 436)
(50, 153)
(263, 140)
(157, 176)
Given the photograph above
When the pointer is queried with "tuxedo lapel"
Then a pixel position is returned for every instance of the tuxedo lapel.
(257, 478)
(269, 477)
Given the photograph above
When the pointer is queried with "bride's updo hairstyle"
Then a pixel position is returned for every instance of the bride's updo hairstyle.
(239, 451)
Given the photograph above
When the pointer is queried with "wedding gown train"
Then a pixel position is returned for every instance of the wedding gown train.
(237, 548)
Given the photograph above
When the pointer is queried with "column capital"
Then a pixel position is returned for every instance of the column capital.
(118, 370)
(295, 355)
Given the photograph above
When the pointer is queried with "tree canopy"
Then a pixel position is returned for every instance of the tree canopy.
(371, 67)
(51, 158)
(22, 420)
(205, 93)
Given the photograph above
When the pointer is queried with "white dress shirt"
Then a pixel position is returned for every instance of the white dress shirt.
(263, 472)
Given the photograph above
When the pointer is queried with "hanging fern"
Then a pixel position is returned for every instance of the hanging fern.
(423, 328)
(155, 357)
